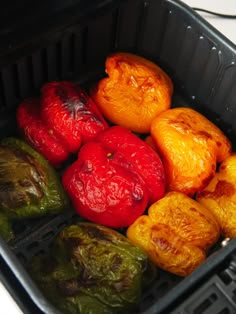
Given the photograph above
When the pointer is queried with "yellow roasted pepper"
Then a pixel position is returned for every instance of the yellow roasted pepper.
(176, 233)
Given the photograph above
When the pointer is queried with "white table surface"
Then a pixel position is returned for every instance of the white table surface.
(226, 27)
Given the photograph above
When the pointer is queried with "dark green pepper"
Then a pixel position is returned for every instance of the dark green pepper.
(91, 269)
(6, 227)
(29, 186)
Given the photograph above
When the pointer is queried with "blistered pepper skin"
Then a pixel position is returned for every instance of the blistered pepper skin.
(38, 135)
(115, 178)
(176, 233)
(140, 155)
(29, 186)
(70, 112)
(134, 92)
(219, 196)
(92, 269)
(59, 122)
(191, 146)
(104, 188)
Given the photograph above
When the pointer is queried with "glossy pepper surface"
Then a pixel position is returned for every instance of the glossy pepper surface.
(134, 92)
(114, 178)
(29, 186)
(176, 233)
(219, 196)
(191, 146)
(140, 156)
(60, 121)
(92, 269)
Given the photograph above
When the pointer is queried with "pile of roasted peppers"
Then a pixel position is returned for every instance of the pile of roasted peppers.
(126, 160)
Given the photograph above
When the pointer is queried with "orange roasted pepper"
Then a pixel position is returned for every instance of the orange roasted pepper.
(176, 233)
(190, 146)
(135, 91)
(220, 196)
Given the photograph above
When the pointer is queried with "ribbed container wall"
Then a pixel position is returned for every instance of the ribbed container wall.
(202, 69)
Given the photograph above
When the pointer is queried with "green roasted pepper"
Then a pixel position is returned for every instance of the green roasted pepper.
(29, 186)
(91, 269)
(6, 230)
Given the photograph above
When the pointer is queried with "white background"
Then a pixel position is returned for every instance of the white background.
(225, 26)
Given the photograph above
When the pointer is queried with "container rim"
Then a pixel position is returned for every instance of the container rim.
(197, 18)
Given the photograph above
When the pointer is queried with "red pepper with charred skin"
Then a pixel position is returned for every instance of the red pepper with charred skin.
(111, 183)
(103, 188)
(58, 123)
(71, 113)
(37, 134)
(143, 158)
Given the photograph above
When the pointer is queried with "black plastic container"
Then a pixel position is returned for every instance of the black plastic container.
(69, 40)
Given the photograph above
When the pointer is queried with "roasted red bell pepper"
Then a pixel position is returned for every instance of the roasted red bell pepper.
(114, 178)
(60, 121)
(37, 134)
(140, 155)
